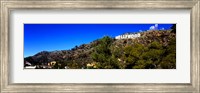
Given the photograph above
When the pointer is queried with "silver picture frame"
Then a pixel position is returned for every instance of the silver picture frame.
(6, 6)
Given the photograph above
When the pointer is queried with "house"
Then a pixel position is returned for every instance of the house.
(52, 63)
(91, 65)
(27, 63)
(30, 67)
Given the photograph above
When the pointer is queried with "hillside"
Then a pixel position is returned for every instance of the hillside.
(153, 50)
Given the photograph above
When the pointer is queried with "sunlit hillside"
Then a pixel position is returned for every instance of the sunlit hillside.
(155, 49)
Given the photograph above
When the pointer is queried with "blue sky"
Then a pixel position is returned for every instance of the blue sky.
(51, 37)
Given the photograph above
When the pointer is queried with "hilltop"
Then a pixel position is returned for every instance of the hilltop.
(152, 50)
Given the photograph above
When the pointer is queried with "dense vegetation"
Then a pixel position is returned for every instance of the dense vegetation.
(135, 56)
(153, 50)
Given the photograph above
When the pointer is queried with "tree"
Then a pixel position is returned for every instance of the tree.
(133, 56)
(169, 59)
(102, 52)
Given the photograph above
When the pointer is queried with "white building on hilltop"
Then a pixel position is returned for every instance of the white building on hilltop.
(128, 36)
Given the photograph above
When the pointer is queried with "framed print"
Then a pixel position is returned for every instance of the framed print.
(99, 46)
